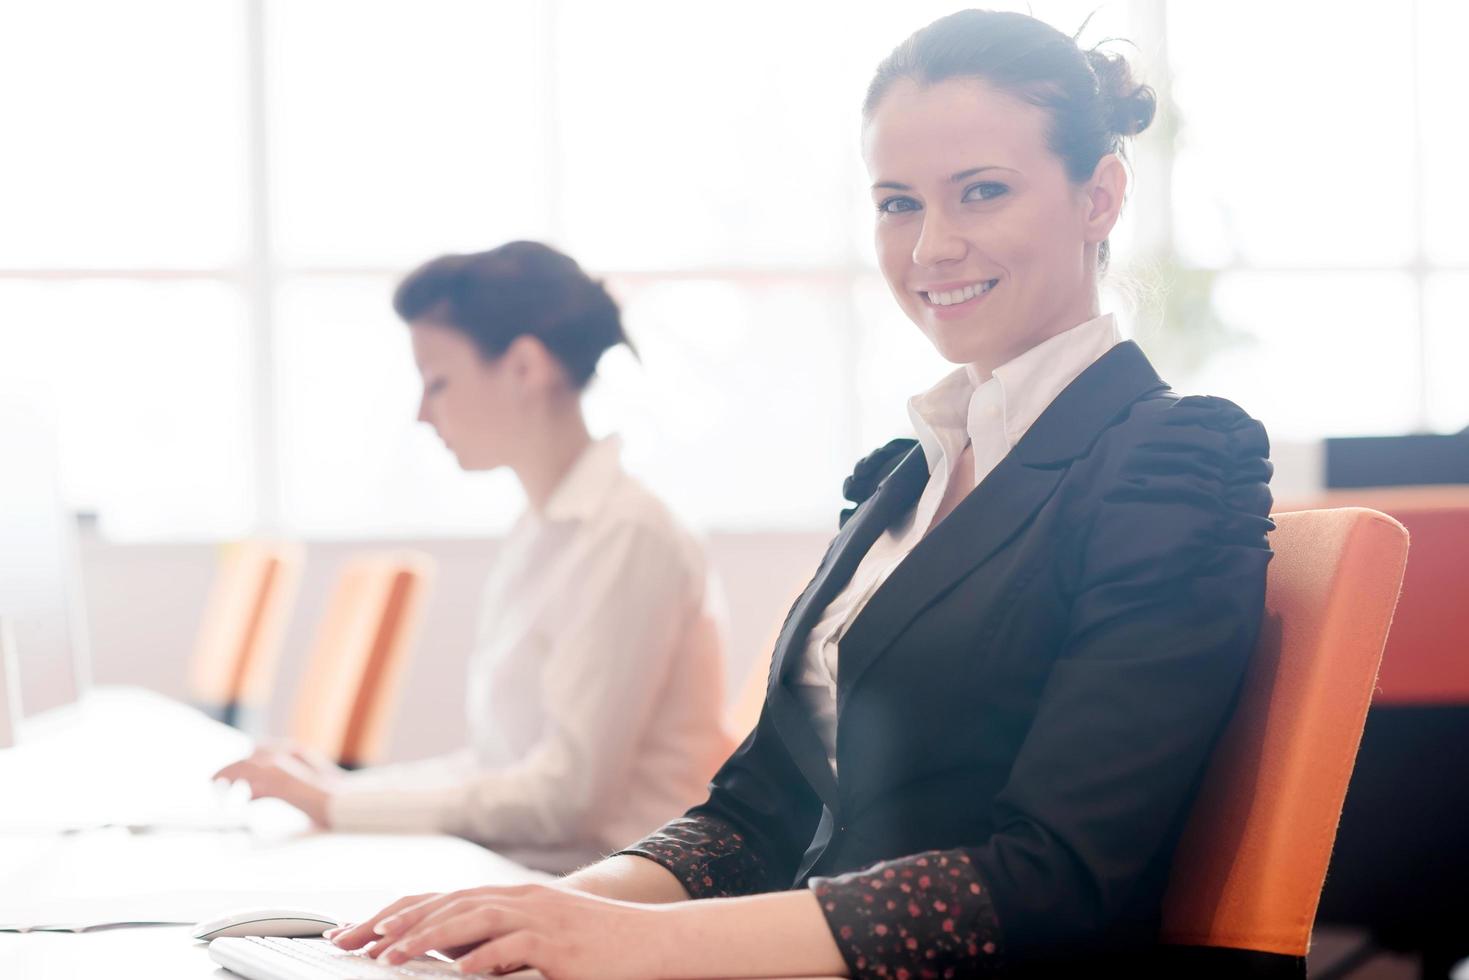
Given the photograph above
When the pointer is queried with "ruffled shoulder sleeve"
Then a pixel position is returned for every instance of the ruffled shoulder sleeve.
(1192, 476)
(870, 471)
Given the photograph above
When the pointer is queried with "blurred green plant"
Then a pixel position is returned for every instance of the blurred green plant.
(1174, 315)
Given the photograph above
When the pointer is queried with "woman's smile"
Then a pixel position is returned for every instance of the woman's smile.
(952, 300)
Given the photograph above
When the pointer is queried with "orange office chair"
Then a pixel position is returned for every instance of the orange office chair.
(239, 640)
(744, 712)
(1427, 657)
(1400, 870)
(1249, 869)
(344, 706)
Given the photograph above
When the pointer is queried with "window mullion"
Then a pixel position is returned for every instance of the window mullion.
(260, 279)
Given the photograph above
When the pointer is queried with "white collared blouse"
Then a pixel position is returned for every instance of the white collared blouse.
(595, 690)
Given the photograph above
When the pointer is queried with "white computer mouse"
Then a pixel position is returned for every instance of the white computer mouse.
(284, 923)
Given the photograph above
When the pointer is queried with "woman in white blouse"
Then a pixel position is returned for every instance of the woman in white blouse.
(594, 693)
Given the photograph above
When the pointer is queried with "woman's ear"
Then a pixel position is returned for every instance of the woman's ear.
(1105, 191)
(531, 366)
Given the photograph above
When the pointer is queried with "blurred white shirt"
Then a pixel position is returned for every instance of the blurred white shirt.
(595, 692)
(960, 410)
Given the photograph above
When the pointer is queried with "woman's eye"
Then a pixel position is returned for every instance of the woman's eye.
(984, 191)
(896, 205)
(433, 387)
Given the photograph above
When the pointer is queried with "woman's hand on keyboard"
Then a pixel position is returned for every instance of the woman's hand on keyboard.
(300, 779)
(563, 933)
(356, 935)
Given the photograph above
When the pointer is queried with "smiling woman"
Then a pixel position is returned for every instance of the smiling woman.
(989, 710)
(1008, 215)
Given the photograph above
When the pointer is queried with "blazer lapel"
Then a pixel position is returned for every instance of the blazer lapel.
(997, 509)
(895, 496)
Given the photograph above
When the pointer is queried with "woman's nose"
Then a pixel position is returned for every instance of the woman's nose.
(938, 241)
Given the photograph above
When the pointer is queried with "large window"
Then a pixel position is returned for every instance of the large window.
(214, 201)
(1318, 174)
(124, 236)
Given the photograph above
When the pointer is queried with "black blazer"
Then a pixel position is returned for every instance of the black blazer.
(1032, 693)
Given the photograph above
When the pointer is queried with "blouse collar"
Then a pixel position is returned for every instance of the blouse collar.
(586, 486)
(962, 409)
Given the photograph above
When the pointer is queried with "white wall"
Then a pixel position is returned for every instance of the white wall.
(144, 604)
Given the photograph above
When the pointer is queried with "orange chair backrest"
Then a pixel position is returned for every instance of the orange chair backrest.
(239, 640)
(344, 706)
(1249, 869)
(741, 716)
(1427, 656)
(744, 712)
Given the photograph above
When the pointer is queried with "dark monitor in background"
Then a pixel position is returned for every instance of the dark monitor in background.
(1397, 461)
(40, 594)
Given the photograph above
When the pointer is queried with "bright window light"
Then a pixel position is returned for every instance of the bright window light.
(124, 144)
(1446, 313)
(1320, 352)
(399, 131)
(1291, 151)
(213, 202)
(151, 408)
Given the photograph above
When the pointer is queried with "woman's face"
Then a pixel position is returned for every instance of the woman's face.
(985, 242)
(471, 402)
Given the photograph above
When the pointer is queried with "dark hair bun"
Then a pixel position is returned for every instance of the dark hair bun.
(1129, 105)
(518, 288)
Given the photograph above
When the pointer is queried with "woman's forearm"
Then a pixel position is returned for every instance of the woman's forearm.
(779, 934)
(713, 937)
(628, 878)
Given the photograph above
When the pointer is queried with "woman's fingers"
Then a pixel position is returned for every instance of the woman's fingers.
(506, 954)
(263, 780)
(392, 923)
(395, 927)
(251, 770)
(264, 758)
(316, 763)
(391, 928)
(358, 934)
(233, 771)
(459, 924)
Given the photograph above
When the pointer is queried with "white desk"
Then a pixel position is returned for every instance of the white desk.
(133, 757)
(161, 953)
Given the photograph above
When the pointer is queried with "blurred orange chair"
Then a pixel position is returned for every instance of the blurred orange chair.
(239, 640)
(1248, 871)
(344, 706)
(1401, 865)
(744, 711)
(1427, 656)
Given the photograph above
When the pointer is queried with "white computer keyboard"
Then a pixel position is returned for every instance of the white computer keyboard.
(316, 959)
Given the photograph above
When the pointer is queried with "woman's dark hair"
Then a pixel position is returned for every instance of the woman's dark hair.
(1094, 102)
(518, 288)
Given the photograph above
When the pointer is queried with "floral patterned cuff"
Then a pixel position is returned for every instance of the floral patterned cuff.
(927, 915)
(709, 856)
